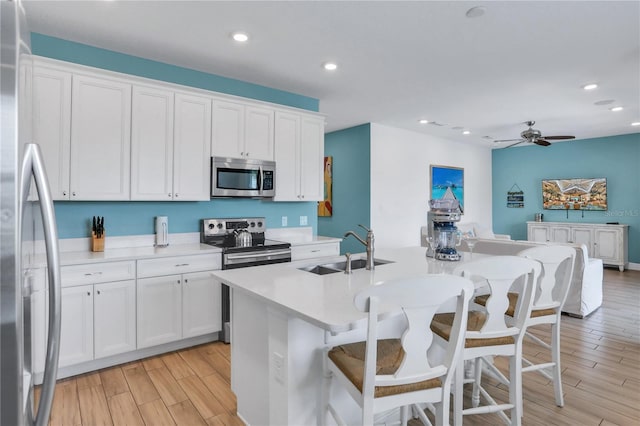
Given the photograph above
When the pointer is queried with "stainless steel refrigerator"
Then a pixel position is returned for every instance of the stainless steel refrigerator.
(27, 221)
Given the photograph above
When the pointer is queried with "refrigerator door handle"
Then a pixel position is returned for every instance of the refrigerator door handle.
(33, 165)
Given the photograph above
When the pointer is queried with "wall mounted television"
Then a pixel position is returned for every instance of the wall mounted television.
(574, 194)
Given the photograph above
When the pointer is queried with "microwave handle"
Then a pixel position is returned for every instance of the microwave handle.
(260, 180)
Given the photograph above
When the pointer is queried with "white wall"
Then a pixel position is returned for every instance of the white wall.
(400, 182)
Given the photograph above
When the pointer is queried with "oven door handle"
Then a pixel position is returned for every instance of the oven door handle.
(258, 254)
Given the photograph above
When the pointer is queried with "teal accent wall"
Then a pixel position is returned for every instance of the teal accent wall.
(616, 158)
(136, 218)
(351, 151)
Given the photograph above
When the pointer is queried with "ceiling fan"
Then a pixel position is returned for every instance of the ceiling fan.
(532, 135)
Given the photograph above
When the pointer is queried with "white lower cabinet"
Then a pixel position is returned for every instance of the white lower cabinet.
(76, 329)
(159, 310)
(97, 321)
(201, 304)
(177, 306)
(114, 318)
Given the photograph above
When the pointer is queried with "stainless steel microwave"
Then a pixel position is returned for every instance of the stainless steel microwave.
(235, 177)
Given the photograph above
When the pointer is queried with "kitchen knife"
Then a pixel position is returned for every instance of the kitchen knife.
(93, 227)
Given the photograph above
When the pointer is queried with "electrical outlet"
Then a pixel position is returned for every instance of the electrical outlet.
(278, 367)
(303, 221)
(284, 221)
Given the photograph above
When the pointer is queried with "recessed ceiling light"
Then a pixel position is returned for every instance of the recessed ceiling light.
(636, 123)
(330, 66)
(616, 109)
(240, 36)
(476, 12)
(590, 86)
(423, 121)
(466, 132)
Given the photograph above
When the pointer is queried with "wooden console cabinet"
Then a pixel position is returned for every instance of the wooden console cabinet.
(607, 242)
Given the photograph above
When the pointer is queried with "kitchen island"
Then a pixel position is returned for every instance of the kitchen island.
(283, 317)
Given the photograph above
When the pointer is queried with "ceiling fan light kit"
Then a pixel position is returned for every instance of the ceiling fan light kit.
(534, 136)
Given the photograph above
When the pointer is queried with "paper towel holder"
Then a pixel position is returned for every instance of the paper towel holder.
(162, 231)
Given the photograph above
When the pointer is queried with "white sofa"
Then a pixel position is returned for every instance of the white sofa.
(585, 293)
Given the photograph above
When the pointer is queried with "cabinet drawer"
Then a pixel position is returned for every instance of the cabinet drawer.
(92, 273)
(314, 250)
(178, 265)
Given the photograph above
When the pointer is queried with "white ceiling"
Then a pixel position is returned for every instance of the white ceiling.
(399, 61)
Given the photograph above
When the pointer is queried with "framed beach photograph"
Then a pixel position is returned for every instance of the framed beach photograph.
(447, 179)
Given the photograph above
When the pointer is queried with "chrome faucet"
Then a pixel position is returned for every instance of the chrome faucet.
(368, 244)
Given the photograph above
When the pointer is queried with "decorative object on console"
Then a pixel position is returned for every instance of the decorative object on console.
(443, 179)
(574, 194)
(325, 207)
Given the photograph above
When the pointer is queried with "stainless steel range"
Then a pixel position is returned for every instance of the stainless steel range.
(243, 244)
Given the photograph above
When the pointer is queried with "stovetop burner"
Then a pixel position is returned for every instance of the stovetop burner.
(220, 233)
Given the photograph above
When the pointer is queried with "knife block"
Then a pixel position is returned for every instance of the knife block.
(97, 244)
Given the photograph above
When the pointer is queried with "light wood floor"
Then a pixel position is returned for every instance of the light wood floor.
(600, 359)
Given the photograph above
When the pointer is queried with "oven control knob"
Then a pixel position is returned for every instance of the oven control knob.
(219, 226)
(259, 224)
(211, 226)
(253, 224)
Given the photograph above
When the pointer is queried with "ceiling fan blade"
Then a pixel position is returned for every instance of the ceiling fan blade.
(514, 144)
(508, 140)
(542, 142)
(556, 138)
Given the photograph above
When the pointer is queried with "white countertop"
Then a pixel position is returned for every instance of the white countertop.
(327, 300)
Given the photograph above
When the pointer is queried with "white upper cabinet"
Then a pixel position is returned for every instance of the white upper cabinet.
(151, 144)
(299, 149)
(242, 130)
(192, 148)
(52, 125)
(100, 138)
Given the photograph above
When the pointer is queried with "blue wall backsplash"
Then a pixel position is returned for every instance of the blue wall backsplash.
(615, 158)
(136, 218)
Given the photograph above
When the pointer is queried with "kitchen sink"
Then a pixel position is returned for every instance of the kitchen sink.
(331, 268)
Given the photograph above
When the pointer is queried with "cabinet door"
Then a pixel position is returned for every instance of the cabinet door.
(159, 310)
(76, 329)
(228, 129)
(258, 133)
(100, 139)
(538, 233)
(287, 134)
(312, 159)
(201, 304)
(583, 236)
(52, 125)
(607, 245)
(560, 234)
(192, 148)
(114, 318)
(151, 144)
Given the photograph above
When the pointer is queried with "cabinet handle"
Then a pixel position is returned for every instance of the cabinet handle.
(176, 196)
(246, 154)
(98, 291)
(88, 293)
(242, 154)
(182, 264)
(73, 194)
(64, 193)
(169, 195)
(178, 281)
(186, 280)
(93, 273)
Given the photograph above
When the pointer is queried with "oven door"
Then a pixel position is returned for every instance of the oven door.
(243, 260)
(232, 177)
